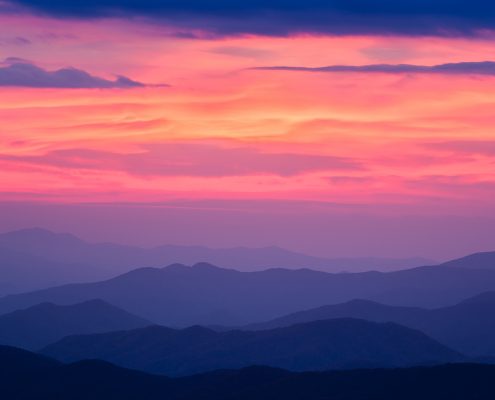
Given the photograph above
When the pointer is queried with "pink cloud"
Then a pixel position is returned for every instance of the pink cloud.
(190, 159)
(478, 147)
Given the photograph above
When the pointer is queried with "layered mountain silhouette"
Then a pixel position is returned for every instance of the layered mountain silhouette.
(319, 345)
(484, 260)
(36, 258)
(28, 376)
(181, 296)
(40, 325)
(23, 271)
(468, 327)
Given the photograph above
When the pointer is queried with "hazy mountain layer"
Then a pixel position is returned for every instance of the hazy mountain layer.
(40, 325)
(203, 294)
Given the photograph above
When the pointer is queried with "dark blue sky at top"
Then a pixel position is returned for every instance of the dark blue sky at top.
(409, 17)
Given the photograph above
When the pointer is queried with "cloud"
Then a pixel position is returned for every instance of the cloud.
(243, 52)
(15, 41)
(478, 147)
(281, 17)
(191, 159)
(461, 68)
(22, 73)
(457, 185)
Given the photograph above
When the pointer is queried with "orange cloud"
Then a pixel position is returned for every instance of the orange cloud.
(345, 137)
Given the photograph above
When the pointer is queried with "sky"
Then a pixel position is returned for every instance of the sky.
(337, 128)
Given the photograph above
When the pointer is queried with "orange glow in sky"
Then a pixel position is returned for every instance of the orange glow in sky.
(223, 130)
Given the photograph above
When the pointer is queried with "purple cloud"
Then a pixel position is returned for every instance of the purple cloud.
(461, 68)
(282, 17)
(20, 73)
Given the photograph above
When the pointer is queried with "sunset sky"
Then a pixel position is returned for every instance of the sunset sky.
(331, 127)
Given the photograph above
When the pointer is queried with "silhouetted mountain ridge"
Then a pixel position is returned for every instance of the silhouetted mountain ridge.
(207, 295)
(468, 327)
(28, 376)
(318, 345)
(45, 323)
(484, 260)
(56, 258)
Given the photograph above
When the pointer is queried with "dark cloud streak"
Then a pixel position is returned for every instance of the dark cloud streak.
(461, 68)
(282, 17)
(20, 73)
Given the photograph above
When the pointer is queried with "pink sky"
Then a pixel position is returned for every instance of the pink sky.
(394, 145)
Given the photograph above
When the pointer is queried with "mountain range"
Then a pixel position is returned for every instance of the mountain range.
(37, 258)
(318, 345)
(180, 296)
(468, 327)
(27, 376)
(40, 325)
(484, 260)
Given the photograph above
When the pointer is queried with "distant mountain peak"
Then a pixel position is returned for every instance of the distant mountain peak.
(205, 266)
(175, 267)
(201, 266)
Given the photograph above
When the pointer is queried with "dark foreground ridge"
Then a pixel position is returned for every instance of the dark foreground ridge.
(28, 376)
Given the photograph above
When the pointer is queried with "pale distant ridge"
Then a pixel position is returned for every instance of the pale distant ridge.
(37, 258)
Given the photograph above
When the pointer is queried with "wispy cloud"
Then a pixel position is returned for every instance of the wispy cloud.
(461, 68)
(22, 73)
(479, 147)
(190, 159)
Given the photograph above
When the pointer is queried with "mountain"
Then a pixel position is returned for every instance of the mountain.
(28, 376)
(14, 361)
(478, 260)
(468, 327)
(319, 345)
(36, 258)
(362, 309)
(181, 296)
(40, 325)
(20, 271)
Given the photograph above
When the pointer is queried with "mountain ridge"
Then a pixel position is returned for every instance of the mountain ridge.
(37, 326)
(317, 345)
(29, 376)
(468, 326)
(180, 296)
(77, 260)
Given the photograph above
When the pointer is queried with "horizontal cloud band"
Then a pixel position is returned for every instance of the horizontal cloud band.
(410, 17)
(462, 68)
(24, 74)
(191, 159)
